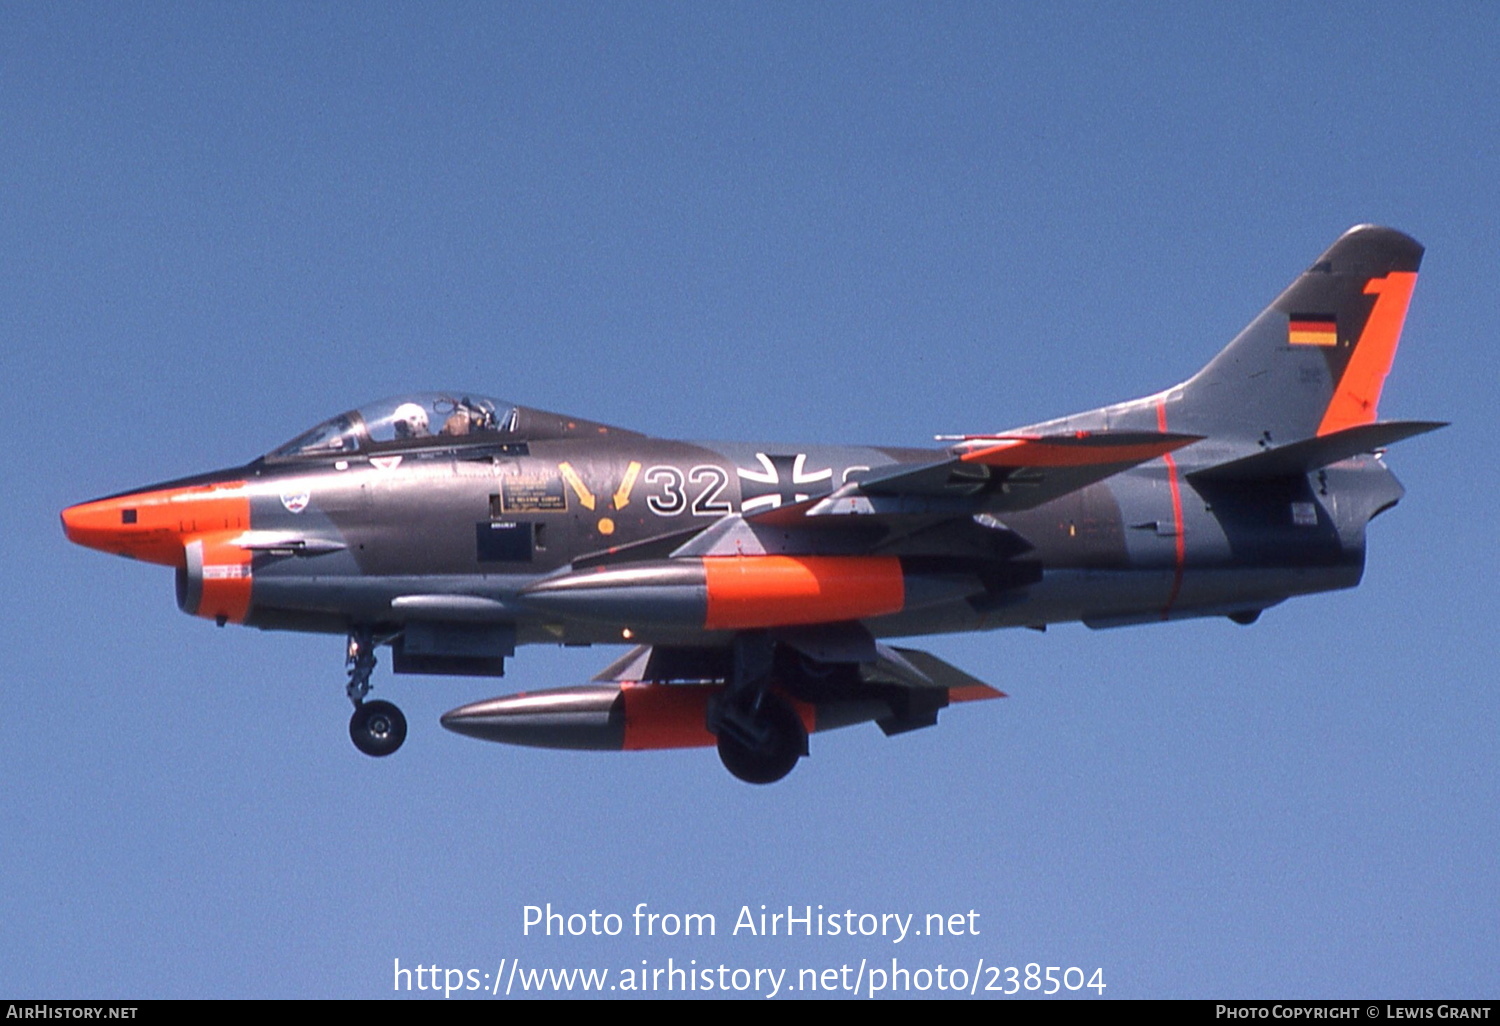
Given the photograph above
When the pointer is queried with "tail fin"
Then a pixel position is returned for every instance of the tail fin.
(1313, 362)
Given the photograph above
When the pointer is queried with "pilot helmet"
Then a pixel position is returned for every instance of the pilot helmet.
(410, 421)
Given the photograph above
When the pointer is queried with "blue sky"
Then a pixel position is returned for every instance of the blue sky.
(851, 223)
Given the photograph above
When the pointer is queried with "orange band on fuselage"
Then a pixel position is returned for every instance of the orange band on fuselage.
(748, 592)
(155, 526)
(1357, 394)
(226, 578)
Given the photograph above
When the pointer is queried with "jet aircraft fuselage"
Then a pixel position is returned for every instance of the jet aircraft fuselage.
(756, 581)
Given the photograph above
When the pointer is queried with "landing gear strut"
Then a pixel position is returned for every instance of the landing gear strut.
(761, 737)
(376, 728)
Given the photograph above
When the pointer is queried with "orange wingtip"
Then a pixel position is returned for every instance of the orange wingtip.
(974, 693)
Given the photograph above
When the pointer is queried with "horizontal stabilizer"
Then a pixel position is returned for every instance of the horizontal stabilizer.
(1315, 453)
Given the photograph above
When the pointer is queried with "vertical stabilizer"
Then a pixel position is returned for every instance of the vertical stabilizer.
(1315, 360)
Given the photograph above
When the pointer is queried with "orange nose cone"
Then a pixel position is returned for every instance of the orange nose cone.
(155, 526)
(117, 526)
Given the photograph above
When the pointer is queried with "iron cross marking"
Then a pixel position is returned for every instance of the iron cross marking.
(781, 480)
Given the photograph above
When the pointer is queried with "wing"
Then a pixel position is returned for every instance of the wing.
(1011, 472)
(662, 697)
(1309, 454)
(950, 503)
(840, 672)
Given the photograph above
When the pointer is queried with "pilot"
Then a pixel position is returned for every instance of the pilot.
(467, 418)
(410, 421)
(459, 423)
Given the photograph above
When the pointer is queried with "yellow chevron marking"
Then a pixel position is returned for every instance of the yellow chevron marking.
(622, 494)
(585, 497)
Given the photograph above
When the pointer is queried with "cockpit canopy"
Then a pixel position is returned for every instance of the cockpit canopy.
(402, 421)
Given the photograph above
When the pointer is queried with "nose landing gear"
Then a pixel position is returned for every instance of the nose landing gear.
(376, 728)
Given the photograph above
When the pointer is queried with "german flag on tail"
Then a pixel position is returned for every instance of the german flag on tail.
(1312, 330)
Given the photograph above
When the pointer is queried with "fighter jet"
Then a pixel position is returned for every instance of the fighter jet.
(759, 585)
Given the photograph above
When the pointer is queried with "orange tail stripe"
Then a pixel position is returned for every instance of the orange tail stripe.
(1358, 391)
(747, 592)
(1179, 548)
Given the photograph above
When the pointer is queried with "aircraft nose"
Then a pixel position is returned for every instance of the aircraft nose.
(105, 524)
(115, 525)
(155, 524)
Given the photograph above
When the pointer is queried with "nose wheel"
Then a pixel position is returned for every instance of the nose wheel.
(376, 728)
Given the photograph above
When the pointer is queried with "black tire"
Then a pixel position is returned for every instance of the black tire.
(377, 728)
(786, 742)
